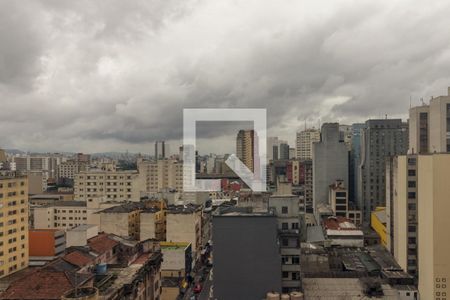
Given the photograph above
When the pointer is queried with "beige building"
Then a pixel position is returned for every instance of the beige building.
(122, 220)
(70, 168)
(111, 184)
(159, 175)
(152, 224)
(338, 198)
(304, 142)
(60, 215)
(13, 223)
(183, 224)
(80, 235)
(245, 147)
(430, 126)
(434, 222)
(417, 221)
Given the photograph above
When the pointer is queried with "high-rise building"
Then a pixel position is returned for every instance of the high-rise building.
(381, 139)
(355, 195)
(283, 151)
(418, 216)
(286, 209)
(245, 148)
(419, 131)
(272, 144)
(160, 150)
(430, 126)
(330, 163)
(13, 223)
(304, 142)
(2, 155)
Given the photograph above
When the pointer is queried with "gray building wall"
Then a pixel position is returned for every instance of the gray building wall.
(381, 139)
(247, 261)
(330, 162)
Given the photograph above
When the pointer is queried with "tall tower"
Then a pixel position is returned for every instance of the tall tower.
(14, 220)
(304, 142)
(381, 139)
(430, 127)
(160, 150)
(330, 163)
(245, 148)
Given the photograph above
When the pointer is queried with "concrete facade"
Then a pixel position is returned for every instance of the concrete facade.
(381, 139)
(14, 223)
(330, 163)
(304, 142)
(247, 262)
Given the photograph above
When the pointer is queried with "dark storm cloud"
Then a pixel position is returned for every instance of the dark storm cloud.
(97, 76)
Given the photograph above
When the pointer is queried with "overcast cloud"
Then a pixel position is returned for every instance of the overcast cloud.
(114, 75)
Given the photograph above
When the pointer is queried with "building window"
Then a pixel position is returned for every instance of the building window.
(284, 210)
(285, 274)
(284, 226)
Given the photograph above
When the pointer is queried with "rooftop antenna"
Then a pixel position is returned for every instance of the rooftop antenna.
(409, 101)
(305, 124)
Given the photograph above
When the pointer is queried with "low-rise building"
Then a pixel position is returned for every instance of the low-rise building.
(183, 224)
(342, 232)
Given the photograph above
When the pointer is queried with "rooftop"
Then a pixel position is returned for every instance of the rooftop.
(101, 243)
(124, 208)
(67, 203)
(79, 258)
(49, 282)
(183, 209)
(82, 227)
(237, 211)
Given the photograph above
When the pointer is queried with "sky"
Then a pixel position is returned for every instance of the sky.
(95, 76)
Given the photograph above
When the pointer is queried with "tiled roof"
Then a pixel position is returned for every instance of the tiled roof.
(79, 258)
(101, 243)
(49, 282)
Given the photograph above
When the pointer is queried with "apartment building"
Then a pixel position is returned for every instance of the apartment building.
(304, 142)
(111, 184)
(417, 221)
(286, 210)
(13, 223)
(183, 224)
(381, 139)
(159, 175)
(245, 147)
(61, 215)
(122, 220)
(430, 126)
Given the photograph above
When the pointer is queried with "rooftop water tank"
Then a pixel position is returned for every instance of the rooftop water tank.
(297, 296)
(273, 296)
